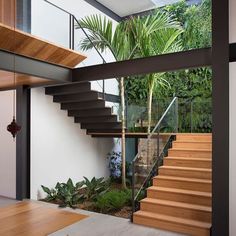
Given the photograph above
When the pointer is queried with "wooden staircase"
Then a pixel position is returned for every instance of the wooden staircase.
(88, 107)
(180, 198)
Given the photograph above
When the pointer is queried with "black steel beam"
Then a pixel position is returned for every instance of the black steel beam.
(232, 52)
(220, 116)
(33, 67)
(154, 64)
(104, 9)
(23, 143)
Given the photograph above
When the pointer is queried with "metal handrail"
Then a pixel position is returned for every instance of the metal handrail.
(157, 127)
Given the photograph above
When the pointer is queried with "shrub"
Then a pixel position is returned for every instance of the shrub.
(68, 193)
(95, 188)
(51, 193)
(113, 200)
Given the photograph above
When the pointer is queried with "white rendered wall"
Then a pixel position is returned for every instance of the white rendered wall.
(7, 148)
(232, 164)
(59, 148)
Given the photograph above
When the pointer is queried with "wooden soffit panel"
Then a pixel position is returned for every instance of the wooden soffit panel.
(27, 45)
(7, 80)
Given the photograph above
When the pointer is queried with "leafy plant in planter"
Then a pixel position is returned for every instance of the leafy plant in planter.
(51, 193)
(95, 188)
(113, 200)
(68, 193)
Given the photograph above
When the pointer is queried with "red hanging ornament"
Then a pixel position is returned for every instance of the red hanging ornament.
(13, 128)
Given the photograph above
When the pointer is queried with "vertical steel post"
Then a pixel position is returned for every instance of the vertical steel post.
(177, 115)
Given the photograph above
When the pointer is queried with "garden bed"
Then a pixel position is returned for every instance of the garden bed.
(97, 195)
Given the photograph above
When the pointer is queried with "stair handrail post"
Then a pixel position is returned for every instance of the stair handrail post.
(177, 114)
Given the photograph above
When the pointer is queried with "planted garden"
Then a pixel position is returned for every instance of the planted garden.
(97, 194)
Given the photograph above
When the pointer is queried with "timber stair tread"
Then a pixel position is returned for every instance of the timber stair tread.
(188, 158)
(186, 179)
(182, 191)
(191, 149)
(191, 141)
(176, 204)
(173, 219)
(185, 168)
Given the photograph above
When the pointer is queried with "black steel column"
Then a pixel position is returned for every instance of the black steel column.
(23, 143)
(220, 99)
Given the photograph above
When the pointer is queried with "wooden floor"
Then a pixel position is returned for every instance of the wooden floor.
(34, 219)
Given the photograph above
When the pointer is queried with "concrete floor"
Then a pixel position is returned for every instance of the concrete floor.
(100, 225)
(6, 201)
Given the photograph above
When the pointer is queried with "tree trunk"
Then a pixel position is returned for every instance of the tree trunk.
(122, 94)
(149, 105)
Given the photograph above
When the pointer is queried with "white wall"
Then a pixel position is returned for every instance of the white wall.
(59, 148)
(7, 148)
(232, 164)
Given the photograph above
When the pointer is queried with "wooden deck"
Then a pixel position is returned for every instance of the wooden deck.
(34, 219)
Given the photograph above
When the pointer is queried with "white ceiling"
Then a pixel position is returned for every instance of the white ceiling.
(129, 7)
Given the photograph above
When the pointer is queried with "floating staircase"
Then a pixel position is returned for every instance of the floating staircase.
(88, 107)
(180, 198)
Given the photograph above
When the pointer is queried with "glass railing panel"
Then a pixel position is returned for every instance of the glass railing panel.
(50, 23)
(152, 151)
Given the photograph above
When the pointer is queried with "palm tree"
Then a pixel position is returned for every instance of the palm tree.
(132, 38)
(155, 35)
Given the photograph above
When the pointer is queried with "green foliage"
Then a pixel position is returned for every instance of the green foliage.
(114, 200)
(68, 193)
(95, 188)
(196, 21)
(51, 193)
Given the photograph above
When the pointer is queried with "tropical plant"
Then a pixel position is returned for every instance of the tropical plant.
(68, 193)
(118, 41)
(138, 36)
(51, 193)
(155, 34)
(114, 200)
(94, 188)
